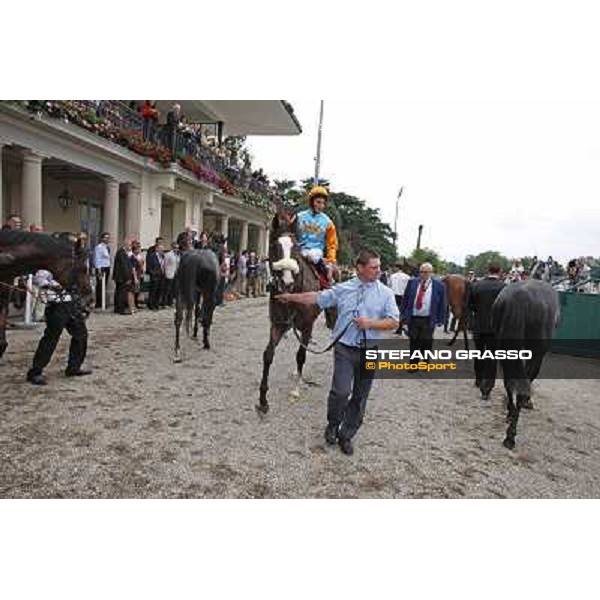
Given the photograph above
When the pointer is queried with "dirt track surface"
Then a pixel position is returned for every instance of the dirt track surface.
(143, 427)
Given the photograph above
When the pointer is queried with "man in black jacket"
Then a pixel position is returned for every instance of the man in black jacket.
(123, 278)
(482, 295)
(155, 267)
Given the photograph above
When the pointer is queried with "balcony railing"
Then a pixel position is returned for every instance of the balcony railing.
(184, 144)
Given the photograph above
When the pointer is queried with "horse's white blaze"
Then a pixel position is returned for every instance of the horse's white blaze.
(287, 264)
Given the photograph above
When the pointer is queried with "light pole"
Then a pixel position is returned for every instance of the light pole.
(318, 157)
(396, 218)
(419, 237)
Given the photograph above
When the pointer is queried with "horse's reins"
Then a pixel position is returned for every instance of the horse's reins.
(330, 346)
(337, 338)
(16, 288)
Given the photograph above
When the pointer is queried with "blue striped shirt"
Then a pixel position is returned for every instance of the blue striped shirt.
(355, 298)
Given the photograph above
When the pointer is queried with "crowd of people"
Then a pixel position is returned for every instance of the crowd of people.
(172, 131)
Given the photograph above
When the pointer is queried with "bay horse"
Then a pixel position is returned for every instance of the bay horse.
(24, 252)
(291, 273)
(196, 283)
(457, 290)
(524, 316)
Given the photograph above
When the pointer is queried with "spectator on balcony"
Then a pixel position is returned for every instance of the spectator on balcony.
(36, 228)
(150, 116)
(173, 118)
(187, 136)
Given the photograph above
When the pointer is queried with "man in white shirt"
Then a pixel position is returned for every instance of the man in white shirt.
(398, 281)
(172, 259)
(101, 265)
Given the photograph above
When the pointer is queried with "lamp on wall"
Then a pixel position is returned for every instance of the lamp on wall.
(65, 200)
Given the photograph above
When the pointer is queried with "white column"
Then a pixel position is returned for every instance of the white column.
(267, 240)
(200, 217)
(263, 249)
(133, 212)
(225, 225)
(110, 218)
(244, 236)
(31, 189)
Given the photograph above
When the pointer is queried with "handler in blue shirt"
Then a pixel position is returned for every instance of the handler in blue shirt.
(365, 308)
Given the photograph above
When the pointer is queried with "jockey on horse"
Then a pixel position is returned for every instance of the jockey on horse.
(316, 236)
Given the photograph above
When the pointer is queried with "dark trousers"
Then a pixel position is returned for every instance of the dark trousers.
(120, 299)
(399, 305)
(169, 292)
(347, 399)
(60, 316)
(485, 370)
(420, 334)
(99, 274)
(155, 292)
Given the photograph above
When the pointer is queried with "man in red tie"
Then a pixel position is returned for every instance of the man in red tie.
(423, 307)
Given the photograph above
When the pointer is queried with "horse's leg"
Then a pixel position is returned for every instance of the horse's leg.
(197, 309)
(208, 309)
(465, 332)
(268, 354)
(515, 383)
(178, 321)
(305, 337)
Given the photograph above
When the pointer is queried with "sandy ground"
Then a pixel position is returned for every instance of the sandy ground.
(141, 426)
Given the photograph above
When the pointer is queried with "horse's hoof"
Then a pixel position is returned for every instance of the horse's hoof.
(194, 337)
(294, 394)
(527, 405)
(177, 359)
(510, 444)
(206, 346)
(262, 409)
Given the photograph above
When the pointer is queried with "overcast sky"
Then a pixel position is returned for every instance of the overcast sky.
(480, 172)
(491, 123)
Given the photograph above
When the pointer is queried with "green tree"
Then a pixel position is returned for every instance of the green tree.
(421, 255)
(453, 268)
(478, 263)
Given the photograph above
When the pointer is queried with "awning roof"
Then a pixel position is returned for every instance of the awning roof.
(240, 117)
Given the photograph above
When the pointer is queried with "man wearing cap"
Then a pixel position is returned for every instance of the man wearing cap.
(315, 233)
(423, 307)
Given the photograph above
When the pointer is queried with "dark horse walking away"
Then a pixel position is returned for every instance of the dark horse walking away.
(457, 290)
(524, 317)
(196, 284)
(291, 273)
(22, 253)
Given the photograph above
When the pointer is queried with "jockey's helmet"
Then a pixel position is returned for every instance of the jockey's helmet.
(318, 191)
